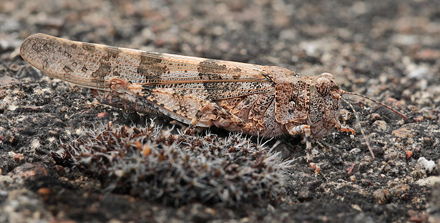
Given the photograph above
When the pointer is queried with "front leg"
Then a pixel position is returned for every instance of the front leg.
(305, 130)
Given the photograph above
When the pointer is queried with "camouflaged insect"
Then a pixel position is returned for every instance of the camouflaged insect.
(267, 101)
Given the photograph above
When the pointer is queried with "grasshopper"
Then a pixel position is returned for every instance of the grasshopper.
(267, 101)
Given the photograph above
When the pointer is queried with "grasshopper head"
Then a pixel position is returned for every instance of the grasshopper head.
(325, 95)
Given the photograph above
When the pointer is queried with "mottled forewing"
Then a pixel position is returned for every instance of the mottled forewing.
(85, 64)
(93, 65)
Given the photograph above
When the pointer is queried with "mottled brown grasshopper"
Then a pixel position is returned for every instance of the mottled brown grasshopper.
(267, 101)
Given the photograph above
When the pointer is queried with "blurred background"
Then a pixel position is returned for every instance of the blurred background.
(306, 36)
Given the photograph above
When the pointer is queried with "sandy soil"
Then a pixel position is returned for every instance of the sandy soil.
(387, 50)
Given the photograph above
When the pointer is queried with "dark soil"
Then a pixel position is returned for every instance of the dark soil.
(387, 50)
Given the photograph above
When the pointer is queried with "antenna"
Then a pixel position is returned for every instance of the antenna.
(358, 124)
(379, 103)
(357, 118)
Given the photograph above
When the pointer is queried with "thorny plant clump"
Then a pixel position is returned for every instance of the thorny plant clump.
(177, 169)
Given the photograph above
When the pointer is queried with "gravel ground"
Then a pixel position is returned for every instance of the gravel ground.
(387, 50)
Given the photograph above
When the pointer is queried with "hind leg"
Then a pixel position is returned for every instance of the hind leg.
(219, 117)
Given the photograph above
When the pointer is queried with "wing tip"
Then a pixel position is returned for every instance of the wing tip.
(29, 41)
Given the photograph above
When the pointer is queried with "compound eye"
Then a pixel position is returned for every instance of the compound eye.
(323, 86)
(327, 75)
